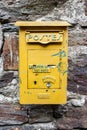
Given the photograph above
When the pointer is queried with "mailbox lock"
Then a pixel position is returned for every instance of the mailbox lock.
(35, 82)
(48, 84)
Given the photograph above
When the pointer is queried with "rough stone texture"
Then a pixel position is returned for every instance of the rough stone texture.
(1, 40)
(77, 36)
(40, 126)
(9, 27)
(5, 78)
(1, 65)
(85, 7)
(76, 117)
(26, 9)
(78, 72)
(10, 51)
(48, 10)
(12, 114)
(71, 116)
(71, 11)
(10, 93)
(40, 114)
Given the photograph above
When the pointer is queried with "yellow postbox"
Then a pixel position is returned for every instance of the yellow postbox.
(43, 62)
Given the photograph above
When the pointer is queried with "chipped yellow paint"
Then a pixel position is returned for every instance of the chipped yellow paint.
(43, 62)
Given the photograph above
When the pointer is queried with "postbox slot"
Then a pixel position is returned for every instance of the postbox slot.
(51, 66)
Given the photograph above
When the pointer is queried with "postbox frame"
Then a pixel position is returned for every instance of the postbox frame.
(40, 95)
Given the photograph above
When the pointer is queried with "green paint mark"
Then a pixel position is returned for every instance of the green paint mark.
(60, 54)
(61, 65)
(66, 71)
(61, 68)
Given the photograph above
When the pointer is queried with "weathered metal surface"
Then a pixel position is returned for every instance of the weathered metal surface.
(43, 66)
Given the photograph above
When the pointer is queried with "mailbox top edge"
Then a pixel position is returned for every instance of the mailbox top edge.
(42, 23)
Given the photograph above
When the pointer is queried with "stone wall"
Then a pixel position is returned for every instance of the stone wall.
(73, 115)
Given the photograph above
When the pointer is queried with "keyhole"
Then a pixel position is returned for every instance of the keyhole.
(35, 82)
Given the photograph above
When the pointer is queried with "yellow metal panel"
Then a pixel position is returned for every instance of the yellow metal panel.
(43, 96)
(42, 23)
(43, 70)
(43, 66)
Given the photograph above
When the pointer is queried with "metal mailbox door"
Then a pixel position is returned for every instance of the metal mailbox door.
(42, 69)
(42, 64)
